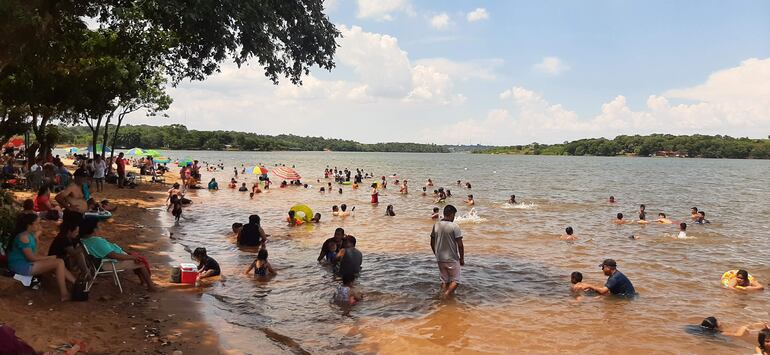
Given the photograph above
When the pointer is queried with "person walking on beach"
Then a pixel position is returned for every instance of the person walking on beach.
(446, 241)
(100, 169)
(120, 162)
(617, 283)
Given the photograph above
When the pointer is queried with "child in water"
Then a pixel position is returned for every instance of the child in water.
(207, 266)
(347, 294)
(389, 211)
(569, 235)
(261, 266)
(682, 231)
(575, 279)
(243, 188)
(435, 214)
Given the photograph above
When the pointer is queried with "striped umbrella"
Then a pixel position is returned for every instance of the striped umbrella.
(286, 173)
(152, 153)
(161, 160)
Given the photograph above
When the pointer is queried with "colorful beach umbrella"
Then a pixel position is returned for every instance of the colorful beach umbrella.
(258, 170)
(286, 173)
(135, 151)
(15, 142)
(152, 153)
(161, 160)
(184, 162)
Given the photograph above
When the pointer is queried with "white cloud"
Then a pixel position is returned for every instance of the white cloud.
(477, 69)
(733, 101)
(382, 10)
(440, 21)
(551, 66)
(479, 14)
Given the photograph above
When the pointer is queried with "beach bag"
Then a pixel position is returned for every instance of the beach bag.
(79, 293)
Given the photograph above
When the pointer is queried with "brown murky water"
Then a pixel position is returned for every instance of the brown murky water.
(515, 295)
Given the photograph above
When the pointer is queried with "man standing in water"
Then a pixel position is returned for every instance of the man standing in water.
(446, 240)
(617, 283)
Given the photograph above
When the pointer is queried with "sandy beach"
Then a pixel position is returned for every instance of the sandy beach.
(136, 321)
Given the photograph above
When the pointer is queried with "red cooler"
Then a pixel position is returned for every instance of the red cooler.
(189, 273)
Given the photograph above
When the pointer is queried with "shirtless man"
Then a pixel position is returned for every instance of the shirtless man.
(662, 219)
(569, 234)
(72, 199)
(619, 219)
(470, 201)
(404, 188)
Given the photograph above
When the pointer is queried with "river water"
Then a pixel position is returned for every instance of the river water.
(515, 296)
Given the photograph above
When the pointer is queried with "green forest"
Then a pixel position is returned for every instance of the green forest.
(179, 137)
(694, 146)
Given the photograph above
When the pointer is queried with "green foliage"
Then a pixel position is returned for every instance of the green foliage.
(178, 137)
(691, 146)
(7, 218)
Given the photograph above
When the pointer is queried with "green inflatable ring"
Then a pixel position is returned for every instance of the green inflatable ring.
(99, 216)
(346, 182)
(306, 211)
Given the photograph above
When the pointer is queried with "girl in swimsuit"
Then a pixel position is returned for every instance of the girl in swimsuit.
(375, 194)
(261, 266)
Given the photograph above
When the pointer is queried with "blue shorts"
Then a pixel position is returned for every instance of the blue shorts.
(331, 257)
(21, 269)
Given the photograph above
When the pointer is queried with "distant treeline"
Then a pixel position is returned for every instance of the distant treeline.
(655, 144)
(178, 137)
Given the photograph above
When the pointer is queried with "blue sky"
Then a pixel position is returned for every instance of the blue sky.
(512, 72)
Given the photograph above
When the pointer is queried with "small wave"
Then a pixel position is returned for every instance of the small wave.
(471, 217)
(519, 206)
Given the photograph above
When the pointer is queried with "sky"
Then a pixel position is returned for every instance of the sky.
(509, 73)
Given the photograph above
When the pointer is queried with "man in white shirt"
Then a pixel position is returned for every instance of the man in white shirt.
(446, 240)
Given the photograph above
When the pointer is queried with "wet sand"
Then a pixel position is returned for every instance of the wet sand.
(136, 321)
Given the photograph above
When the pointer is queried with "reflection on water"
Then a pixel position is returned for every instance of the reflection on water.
(515, 293)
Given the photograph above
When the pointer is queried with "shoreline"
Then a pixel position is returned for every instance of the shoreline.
(110, 322)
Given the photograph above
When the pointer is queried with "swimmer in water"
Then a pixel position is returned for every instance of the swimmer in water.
(763, 338)
(575, 279)
(429, 183)
(344, 210)
(468, 185)
(682, 231)
(662, 219)
(335, 210)
(316, 218)
(569, 235)
(642, 215)
(470, 201)
(404, 188)
(237, 228)
(702, 218)
(441, 195)
(389, 211)
(512, 200)
(424, 191)
(292, 220)
(322, 190)
(435, 214)
(694, 213)
(741, 280)
(612, 199)
(711, 325)
(347, 294)
(458, 183)
(243, 188)
(619, 219)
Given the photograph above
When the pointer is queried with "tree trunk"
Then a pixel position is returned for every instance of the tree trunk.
(115, 134)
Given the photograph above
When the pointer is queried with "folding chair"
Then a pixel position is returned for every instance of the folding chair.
(98, 268)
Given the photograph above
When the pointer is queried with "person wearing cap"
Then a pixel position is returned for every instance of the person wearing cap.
(72, 198)
(617, 283)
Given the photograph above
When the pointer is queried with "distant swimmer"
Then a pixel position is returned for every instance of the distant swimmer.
(470, 201)
(459, 183)
(316, 218)
(742, 281)
(262, 268)
(233, 184)
(375, 194)
(642, 215)
(612, 199)
(682, 231)
(617, 283)
(435, 214)
(292, 219)
(389, 211)
(694, 213)
(404, 188)
(424, 191)
(763, 338)
(468, 185)
(702, 218)
(335, 210)
(347, 294)
(662, 219)
(243, 188)
(344, 210)
(710, 325)
(512, 200)
(441, 195)
(569, 234)
(575, 279)
(429, 183)
(619, 219)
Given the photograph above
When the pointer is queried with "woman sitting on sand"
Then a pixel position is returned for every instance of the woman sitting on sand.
(44, 206)
(100, 248)
(23, 258)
